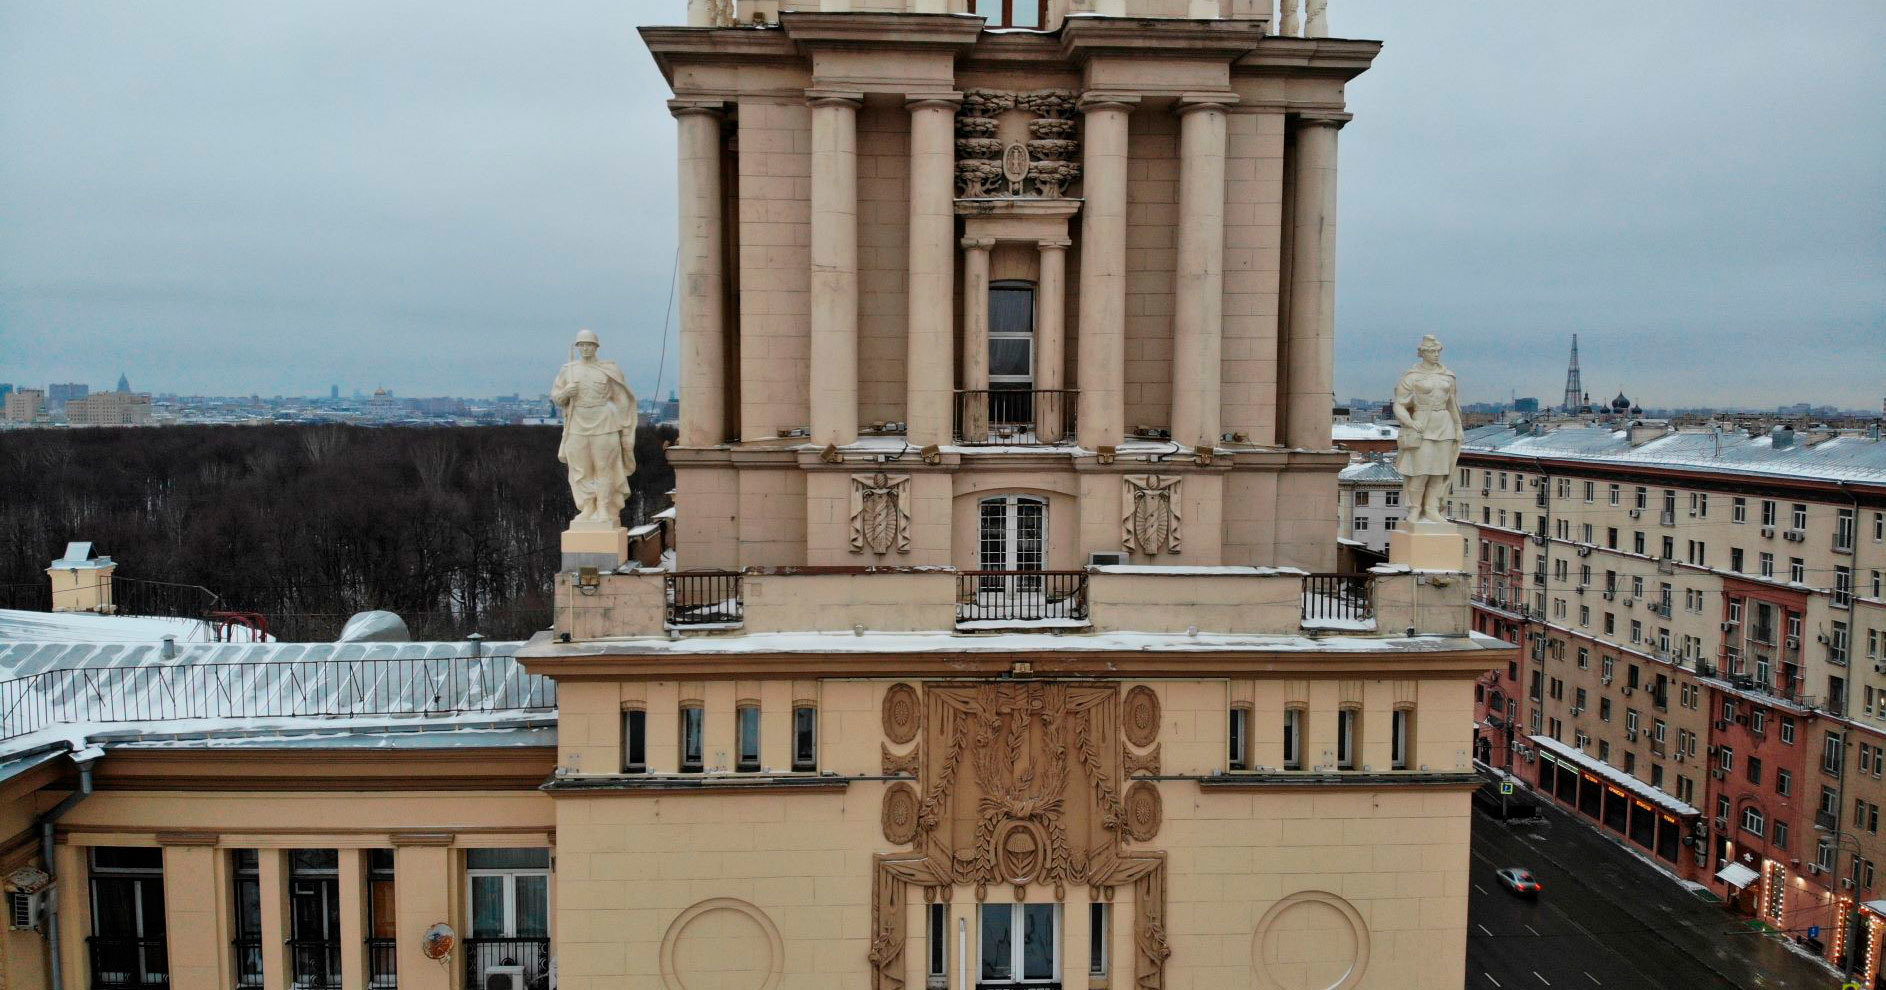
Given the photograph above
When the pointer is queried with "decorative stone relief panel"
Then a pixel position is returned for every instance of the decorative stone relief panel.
(1151, 521)
(880, 513)
(1016, 144)
(1021, 785)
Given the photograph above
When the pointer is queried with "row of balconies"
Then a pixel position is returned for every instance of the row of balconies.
(1102, 599)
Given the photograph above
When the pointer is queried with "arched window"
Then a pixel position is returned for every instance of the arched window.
(1013, 533)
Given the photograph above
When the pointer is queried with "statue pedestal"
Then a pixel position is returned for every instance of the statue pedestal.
(599, 545)
(1429, 546)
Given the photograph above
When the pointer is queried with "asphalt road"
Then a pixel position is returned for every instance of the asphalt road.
(1606, 919)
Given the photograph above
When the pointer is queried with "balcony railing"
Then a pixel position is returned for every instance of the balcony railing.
(488, 960)
(702, 598)
(317, 963)
(128, 963)
(382, 963)
(1021, 596)
(1019, 417)
(271, 689)
(1338, 598)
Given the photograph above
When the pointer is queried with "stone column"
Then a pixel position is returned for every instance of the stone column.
(193, 888)
(834, 282)
(1199, 276)
(352, 870)
(1051, 409)
(1310, 338)
(975, 407)
(424, 883)
(1102, 357)
(703, 306)
(277, 925)
(930, 373)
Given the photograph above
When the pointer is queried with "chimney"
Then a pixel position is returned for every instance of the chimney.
(81, 582)
(1781, 437)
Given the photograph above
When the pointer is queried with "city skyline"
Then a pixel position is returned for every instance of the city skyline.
(468, 194)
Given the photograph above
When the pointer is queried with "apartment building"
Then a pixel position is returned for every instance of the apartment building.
(1368, 503)
(25, 405)
(109, 409)
(1704, 634)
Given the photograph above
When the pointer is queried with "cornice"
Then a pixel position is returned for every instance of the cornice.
(325, 769)
(1085, 37)
(1333, 58)
(672, 46)
(881, 32)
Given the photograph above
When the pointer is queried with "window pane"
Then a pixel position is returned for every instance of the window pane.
(533, 906)
(749, 741)
(1097, 939)
(997, 919)
(114, 907)
(127, 858)
(1030, 518)
(314, 860)
(507, 859)
(805, 754)
(635, 740)
(691, 722)
(1011, 309)
(1038, 943)
(487, 907)
(1010, 357)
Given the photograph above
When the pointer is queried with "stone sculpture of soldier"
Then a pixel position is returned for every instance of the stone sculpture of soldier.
(599, 418)
(1427, 405)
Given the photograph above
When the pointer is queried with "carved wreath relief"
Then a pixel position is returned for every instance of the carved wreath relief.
(1020, 784)
(1151, 523)
(880, 513)
(1041, 165)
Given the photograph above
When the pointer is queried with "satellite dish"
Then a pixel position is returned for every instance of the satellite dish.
(439, 941)
(377, 626)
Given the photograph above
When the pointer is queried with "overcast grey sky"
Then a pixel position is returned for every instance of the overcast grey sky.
(224, 197)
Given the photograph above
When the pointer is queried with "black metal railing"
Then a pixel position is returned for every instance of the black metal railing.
(270, 689)
(316, 963)
(1026, 596)
(701, 598)
(35, 596)
(128, 963)
(488, 961)
(248, 951)
(382, 963)
(136, 596)
(1338, 598)
(1000, 416)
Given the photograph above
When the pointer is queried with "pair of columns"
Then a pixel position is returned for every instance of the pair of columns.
(1050, 337)
(1306, 370)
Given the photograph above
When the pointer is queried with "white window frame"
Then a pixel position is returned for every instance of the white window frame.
(509, 887)
(1016, 946)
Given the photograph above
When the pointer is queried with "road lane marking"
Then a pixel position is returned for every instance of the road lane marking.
(1529, 928)
(1593, 979)
(1484, 929)
(1490, 978)
(1541, 978)
(1479, 888)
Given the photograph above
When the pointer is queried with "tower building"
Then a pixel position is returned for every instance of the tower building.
(1575, 399)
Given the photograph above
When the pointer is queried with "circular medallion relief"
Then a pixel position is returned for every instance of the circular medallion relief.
(722, 943)
(1021, 850)
(903, 715)
(1144, 811)
(1140, 722)
(900, 814)
(1310, 940)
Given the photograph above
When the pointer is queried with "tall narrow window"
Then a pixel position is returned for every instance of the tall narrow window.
(1011, 358)
(1402, 727)
(693, 721)
(747, 729)
(805, 738)
(1293, 739)
(246, 919)
(314, 908)
(382, 951)
(510, 915)
(1346, 732)
(939, 939)
(635, 741)
(128, 947)
(1097, 931)
(1240, 738)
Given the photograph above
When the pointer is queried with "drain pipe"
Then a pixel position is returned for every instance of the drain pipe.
(84, 758)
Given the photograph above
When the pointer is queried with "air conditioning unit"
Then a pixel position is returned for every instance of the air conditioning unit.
(1813, 867)
(1577, 709)
(1718, 773)
(1794, 642)
(1630, 603)
(1106, 558)
(1741, 720)
(1846, 882)
(1627, 690)
(1606, 679)
(1485, 492)
(504, 978)
(1795, 536)
(1722, 725)
(1728, 627)
(1636, 513)
(23, 910)
(1584, 551)
(1679, 756)
(1711, 752)
(1630, 736)
(1768, 531)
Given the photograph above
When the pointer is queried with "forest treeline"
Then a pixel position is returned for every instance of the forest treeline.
(455, 529)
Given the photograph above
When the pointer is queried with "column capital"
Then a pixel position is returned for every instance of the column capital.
(1099, 100)
(1054, 244)
(978, 243)
(1321, 118)
(850, 99)
(702, 106)
(933, 101)
(1189, 102)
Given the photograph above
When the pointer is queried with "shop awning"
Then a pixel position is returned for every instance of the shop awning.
(1877, 907)
(1736, 875)
(1624, 781)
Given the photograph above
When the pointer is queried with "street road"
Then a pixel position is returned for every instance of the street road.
(1607, 919)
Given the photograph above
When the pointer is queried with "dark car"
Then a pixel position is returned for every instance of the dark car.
(1520, 881)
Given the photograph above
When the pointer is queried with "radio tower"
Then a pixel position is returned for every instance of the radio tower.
(1574, 392)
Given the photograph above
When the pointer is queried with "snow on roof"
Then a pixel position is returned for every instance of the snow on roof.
(1371, 472)
(1842, 458)
(1364, 431)
(1580, 758)
(91, 627)
(1007, 642)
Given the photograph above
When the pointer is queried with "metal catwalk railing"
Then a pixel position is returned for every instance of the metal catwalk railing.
(1020, 596)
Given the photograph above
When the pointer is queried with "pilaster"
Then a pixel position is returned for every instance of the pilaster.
(930, 366)
(1309, 348)
(1199, 276)
(703, 279)
(1051, 341)
(1102, 356)
(975, 405)
(834, 260)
